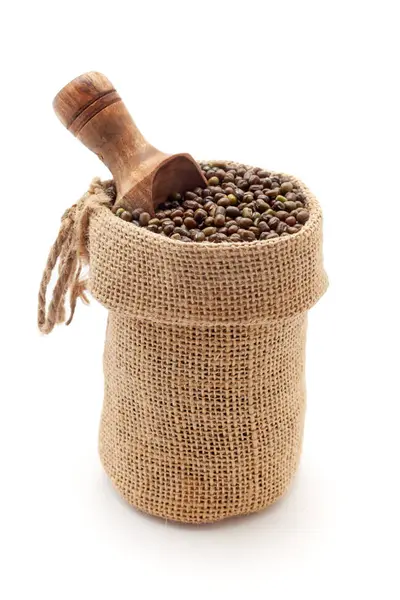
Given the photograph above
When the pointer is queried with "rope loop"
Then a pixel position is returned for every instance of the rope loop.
(70, 251)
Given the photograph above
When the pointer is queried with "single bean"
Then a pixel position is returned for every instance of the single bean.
(144, 219)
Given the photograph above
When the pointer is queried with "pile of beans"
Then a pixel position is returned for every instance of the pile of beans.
(238, 205)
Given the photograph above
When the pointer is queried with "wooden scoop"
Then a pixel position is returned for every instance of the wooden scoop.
(92, 110)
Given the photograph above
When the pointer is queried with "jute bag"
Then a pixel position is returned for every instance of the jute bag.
(204, 358)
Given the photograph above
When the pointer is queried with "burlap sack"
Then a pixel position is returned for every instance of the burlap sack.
(204, 359)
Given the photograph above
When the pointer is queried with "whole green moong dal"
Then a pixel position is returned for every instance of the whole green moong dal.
(239, 205)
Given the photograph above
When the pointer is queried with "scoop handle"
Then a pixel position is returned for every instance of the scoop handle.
(90, 107)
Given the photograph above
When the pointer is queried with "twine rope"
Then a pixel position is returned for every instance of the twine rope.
(70, 251)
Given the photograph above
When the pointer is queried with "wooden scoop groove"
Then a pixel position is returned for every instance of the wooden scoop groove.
(92, 110)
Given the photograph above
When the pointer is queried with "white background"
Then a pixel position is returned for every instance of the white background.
(304, 86)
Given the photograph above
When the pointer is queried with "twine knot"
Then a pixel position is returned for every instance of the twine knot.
(70, 251)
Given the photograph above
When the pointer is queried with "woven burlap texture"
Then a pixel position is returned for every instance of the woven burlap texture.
(203, 364)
